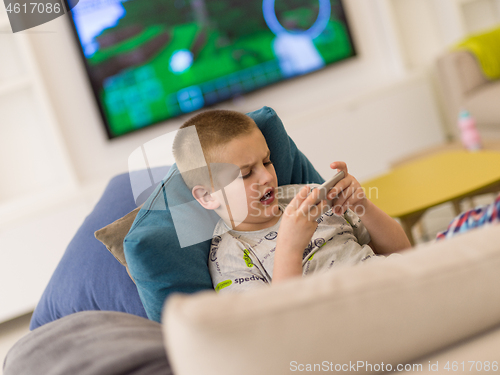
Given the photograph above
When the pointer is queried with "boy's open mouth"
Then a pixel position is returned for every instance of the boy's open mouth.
(268, 197)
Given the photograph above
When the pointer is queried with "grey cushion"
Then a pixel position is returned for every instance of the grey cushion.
(91, 343)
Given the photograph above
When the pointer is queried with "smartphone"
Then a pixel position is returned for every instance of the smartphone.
(328, 185)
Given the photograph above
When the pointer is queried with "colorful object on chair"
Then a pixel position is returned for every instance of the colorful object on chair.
(471, 219)
(469, 134)
(485, 47)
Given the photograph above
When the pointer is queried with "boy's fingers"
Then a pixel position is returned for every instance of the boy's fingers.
(335, 192)
(309, 203)
(317, 210)
(324, 207)
(341, 201)
(300, 197)
(340, 165)
(348, 204)
(338, 189)
(341, 198)
(313, 211)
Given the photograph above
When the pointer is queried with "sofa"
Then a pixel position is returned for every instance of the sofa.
(463, 85)
(436, 305)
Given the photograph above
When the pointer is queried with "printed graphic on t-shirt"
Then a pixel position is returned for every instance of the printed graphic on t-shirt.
(244, 260)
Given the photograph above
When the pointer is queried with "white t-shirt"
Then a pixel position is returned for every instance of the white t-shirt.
(243, 260)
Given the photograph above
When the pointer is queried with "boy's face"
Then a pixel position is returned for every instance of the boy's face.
(251, 154)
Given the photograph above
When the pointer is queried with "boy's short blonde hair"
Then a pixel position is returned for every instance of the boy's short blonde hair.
(211, 130)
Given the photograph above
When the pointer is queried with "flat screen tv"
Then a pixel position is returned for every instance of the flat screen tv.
(152, 60)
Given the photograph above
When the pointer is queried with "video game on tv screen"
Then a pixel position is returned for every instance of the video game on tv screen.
(152, 60)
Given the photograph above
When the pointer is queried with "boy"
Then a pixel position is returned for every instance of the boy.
(246, 248)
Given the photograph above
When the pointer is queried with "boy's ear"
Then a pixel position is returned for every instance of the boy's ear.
(201, 194)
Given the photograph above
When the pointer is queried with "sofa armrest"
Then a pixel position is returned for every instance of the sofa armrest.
(390, 311)
(458, 74)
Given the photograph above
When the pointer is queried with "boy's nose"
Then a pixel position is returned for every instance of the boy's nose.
(265, 177)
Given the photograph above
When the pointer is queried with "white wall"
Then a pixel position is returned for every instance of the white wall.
(373, 131)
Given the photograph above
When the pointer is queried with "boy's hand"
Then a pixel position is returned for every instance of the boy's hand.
(296, 229)
(348, 192)
(299, 221)
(386, 234)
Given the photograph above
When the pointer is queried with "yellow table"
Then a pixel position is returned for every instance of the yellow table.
(407, 191)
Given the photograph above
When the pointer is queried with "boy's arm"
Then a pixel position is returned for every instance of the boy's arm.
(296, 230)
(287, 262)
(387, 236)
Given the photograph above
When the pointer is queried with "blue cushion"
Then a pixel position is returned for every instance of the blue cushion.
(154, 256)
(88, 277)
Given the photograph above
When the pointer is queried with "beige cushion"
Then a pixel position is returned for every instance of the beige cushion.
(112, 236)
(391, 311)
(482, 103)
(468, 70)
(482, 348)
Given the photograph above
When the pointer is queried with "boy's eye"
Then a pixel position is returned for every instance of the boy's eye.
(250, 173)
